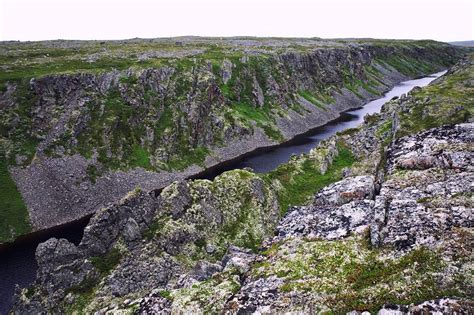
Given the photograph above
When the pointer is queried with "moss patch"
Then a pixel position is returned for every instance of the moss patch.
(207, 296)
(346, 275)
(107, 262)
(448, 101)
(14, 218)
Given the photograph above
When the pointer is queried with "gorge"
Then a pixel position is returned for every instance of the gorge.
(119, 144)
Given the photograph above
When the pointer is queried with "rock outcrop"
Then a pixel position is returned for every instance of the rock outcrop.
(146, 242)
(417, 213)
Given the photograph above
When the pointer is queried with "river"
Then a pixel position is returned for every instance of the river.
(266, 160)
(17, 261)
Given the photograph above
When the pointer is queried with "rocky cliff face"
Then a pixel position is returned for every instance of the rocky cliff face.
(79, 130)
(387, 226)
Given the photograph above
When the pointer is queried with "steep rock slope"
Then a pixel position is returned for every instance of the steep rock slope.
(83, 123)
(387, 225)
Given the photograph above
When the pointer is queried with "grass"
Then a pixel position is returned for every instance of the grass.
(408, 65)
(311, 98)
(20, 72)
(262, 116)
(14, 218)
(83, 296)
(249, 112)
(300, 184)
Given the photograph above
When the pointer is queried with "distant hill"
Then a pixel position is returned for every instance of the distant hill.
(469, 43)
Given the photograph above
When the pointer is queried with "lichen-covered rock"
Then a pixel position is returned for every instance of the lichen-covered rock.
(173, 241)
(321, 260)
(428, 191)
(440, 306)
(327, 222)
(239, 259)
(323, 155)
(344, 191)
(128, 219)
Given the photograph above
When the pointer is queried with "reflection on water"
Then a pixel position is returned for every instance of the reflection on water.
(18, 265)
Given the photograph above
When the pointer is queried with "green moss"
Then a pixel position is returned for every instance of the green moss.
(80, 304)
(424, 200)
(156, 226)
(348, 132)
(189, 156)
(140, 158)
(272, 132)
(30, 292)
(16, 127)
(83, 296)
(92, 172)
(14, 218)
(348, 275)
(130, 80)
(236, 231)
(114, 134)
(165, 294)
(371, 119)
(107, 262)
(209, 296)
(447, 102)
(300, 183)
(383, 129)
(311, 98)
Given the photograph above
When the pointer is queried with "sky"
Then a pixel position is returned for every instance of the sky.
(444, 20)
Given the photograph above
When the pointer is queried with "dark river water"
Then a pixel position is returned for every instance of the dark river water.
(269, 159)
(17, 261)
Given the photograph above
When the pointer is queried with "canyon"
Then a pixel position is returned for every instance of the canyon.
(374, 218)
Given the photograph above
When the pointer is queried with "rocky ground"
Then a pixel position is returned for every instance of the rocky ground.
(378, 218)
(83, 123)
